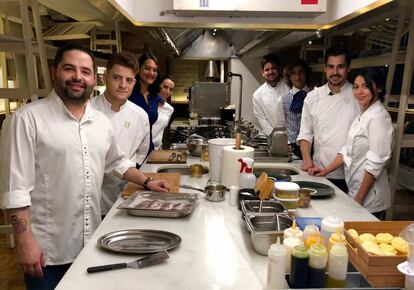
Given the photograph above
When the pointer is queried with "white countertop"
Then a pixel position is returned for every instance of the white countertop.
(215, 253)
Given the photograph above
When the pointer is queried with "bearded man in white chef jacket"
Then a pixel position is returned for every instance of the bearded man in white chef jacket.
(327, 115)
(266, 97)
(58, 149)
(130, 122)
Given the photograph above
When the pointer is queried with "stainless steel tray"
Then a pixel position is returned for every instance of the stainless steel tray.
(264, 206)
(160, 204)
(139, 241)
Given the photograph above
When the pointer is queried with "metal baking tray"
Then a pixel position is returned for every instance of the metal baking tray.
(160, 204)
(264, 206)
(139, 241)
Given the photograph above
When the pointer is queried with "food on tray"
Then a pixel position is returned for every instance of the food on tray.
(384, 238)
(372, 247)
(388, 249)
(367, 237)
(353, 233)
(400, 244)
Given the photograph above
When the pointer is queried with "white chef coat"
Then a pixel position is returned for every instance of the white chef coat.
(368, 148)
(132, 131)
(164, 115)
(325, 122)
(265, 100)
(55, 165)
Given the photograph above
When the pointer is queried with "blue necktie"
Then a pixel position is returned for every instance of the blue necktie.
(297, 102)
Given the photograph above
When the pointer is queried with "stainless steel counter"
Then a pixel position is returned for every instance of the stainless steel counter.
(216, 251)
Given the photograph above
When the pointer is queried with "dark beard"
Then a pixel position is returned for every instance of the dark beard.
(65, 94)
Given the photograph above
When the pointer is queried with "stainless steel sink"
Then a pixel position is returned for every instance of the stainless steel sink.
(182, 169)
(277, 169)
(265, 156)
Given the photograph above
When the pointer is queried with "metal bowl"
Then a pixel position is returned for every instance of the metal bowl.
(196, 145)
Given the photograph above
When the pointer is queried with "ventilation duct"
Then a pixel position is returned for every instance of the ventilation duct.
(208, 47)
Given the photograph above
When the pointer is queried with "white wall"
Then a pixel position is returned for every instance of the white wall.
(250, 84)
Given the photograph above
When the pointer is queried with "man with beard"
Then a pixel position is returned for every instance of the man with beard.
(266, 97)
(51, 177)
(327, 115)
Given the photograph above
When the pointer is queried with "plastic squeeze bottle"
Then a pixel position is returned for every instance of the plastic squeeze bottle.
(246, 177)
(309, 230)
(329, 226)
(293, 231)
(290, 243)
(276, 266)
(338, 262)
(336, 238)
(317, 266)
(299, 267)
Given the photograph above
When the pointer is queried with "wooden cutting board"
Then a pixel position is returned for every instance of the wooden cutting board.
(163, 156)
(172, 178)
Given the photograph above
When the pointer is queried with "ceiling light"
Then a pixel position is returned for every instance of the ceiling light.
(310, 42)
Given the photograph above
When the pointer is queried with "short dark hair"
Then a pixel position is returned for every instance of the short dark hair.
(167, 77)
(373, 75)
(338, 50)
(272, 58)
(125, 59)
(300, 62)
(154, 88)
(68, 47)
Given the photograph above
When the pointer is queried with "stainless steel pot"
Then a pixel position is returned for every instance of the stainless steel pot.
(196, 144)
(214, 192)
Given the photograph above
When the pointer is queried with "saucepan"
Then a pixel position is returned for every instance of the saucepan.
(214, 192)
(196, 144)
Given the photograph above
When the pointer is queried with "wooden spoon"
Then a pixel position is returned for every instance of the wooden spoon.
(260, 180)
(266, 189)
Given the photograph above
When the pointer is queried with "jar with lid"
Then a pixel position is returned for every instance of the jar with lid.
(288, 194)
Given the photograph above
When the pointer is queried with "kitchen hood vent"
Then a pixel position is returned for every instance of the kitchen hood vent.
(250, 8)
(208, 47)
(211, 71)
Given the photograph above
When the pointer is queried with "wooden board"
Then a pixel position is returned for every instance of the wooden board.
(163, 156)
(172, 178)
(380, 271)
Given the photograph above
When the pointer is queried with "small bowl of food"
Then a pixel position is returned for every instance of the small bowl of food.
(305, 195)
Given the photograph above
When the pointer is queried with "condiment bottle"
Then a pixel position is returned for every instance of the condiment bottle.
(336, 238)
(338, 263)
(330, 225)
(309, 230)
(298, 277)
(276, 266)
(290, 243)
(314, 238)
(317, 266)
(293, 231)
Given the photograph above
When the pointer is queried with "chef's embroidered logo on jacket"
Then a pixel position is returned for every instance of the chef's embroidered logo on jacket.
(127, 124)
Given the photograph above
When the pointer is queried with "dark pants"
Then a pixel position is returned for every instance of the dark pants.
(379, 215)
(296, 150)
(340, 183)
(51, 277)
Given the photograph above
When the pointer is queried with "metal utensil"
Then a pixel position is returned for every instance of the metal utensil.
(146, 261)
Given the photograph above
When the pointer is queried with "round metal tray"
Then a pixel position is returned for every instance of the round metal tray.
(139, 241)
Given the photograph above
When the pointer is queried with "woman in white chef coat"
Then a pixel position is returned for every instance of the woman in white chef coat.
(368, 146)
(165, 110)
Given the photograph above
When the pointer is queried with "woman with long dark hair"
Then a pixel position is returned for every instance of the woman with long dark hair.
(147, 87)
(368, 146)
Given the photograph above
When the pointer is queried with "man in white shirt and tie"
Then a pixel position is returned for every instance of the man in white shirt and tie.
(266, 97)
(327, 115)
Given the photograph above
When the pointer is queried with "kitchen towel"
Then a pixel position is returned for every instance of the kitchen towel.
(230, 165)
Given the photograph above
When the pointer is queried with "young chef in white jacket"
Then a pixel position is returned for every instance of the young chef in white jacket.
(58, 149)
(368, 147)
(265, 98)
(130, 122)
(165, 110)
(327, 114)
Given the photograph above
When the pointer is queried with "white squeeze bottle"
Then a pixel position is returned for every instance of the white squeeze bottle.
(246, 178)
(290, 243)
(276, 266)
(338, 262)
(331, 225)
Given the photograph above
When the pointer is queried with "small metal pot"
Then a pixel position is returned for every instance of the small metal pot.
(214, 192)
(196, 144)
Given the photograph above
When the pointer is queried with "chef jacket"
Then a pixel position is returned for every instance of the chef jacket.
(367, 149)
(55, 165)
(326, 119)
(164, 115)
(131, 129)
(265, 100)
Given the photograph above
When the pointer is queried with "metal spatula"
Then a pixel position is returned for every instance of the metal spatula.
(137, 264)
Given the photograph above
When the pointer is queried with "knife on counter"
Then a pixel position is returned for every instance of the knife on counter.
(143, 262)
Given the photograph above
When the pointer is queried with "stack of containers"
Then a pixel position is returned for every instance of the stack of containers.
(288, 194)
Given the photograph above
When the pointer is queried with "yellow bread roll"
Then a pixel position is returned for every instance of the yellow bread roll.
(384, 238)
(372, 247)
(400, 245)
(388, 249)
(367, 237)
(353, 233)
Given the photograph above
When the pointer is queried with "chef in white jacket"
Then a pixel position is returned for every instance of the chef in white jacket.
(266, 97)
(165, 110)
(368, 147)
